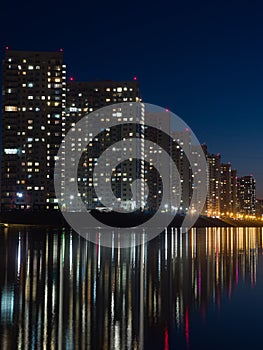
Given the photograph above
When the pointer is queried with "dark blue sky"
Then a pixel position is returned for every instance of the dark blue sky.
(201, 59)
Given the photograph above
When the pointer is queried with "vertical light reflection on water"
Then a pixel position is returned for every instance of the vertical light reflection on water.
(141, 312)
(60, 291)
(46, 298)
(61, 288)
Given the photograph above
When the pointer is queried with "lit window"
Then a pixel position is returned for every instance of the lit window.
(30, 85)
(30, 97)
(10, 109)
(119, 89)
(11, 150)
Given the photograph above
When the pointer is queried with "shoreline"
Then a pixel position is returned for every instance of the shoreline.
(56, 219)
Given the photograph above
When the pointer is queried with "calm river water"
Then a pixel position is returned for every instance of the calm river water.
(201, 290)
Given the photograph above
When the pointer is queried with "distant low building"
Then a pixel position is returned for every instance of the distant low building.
(259, 207)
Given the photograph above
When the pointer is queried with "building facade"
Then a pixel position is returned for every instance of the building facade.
(246, 195)
(213, 196)
(33, 124)
(233, 192)
(88, 97)
(225, 189)
(38, 109)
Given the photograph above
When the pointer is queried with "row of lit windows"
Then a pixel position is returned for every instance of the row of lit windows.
(118, 89)
(28, 171)
(31, 67)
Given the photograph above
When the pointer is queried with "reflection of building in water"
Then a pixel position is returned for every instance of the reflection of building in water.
(58, 290)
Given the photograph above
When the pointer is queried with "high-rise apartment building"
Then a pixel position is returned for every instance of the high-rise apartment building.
(33, 123)
(228, 190)
(87, 97)
(246, 195)
(233, 191)
(213, 196)
(179, 155)
(39, 108)
(154, 156)
(222, 186)
(225, 189)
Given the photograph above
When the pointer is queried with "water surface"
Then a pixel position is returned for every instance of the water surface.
(201, 290)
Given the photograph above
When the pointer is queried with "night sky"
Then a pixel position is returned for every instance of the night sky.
(201, 59)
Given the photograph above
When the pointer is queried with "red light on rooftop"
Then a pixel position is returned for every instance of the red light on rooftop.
(186, 129)
(135, 78)
(71, 79)
(166, 110)
(7, 47)
(61, 50)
